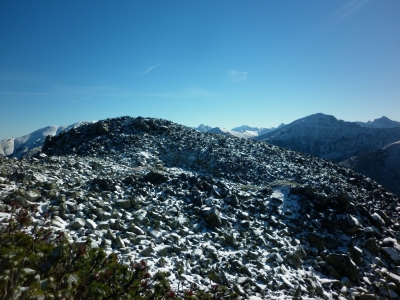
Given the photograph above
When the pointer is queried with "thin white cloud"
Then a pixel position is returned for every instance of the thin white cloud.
(83, 99)
(237, 76)
(346, 11)
(149, 69)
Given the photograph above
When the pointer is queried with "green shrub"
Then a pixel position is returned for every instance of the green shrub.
(41, 265)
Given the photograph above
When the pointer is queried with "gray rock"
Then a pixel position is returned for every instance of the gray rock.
(344, 265)
(135, 229)
(238, 289)
(147, 251)
(124, 203)
(349, 224)
(371, 245)
(90, 224)
(232, 200)
(356, 255)
(77, 223)
(316, 241)
(110, 235)
(33, 195)
(119, 242)
(212, 217)
(22, 201)
(104, 216)
(392, 254)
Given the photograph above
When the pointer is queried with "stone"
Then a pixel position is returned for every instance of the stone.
(238, 289)
(155, 177)
(90, 224)
(119, 242)
(77, 223)
(356, 255)
(33, 195)
(147, 251)
(344, 265)
(212, 217)
(371, 245)
(294, 260)
(392, 254)
(22, 201)
(349, 224)
(94, 245)
(331, 242)
(395, 279)
(316, 241)
(135, 229)
(232, 200)
(124, 203)
(377, 220)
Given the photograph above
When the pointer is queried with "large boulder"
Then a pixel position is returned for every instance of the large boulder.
(344, 265)
(212, 216)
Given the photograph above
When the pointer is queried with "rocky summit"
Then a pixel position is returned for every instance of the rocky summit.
(266, 222)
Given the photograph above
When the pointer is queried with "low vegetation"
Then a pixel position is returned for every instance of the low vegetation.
(37, 264)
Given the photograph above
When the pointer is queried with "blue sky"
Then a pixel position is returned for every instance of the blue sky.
(222, 63)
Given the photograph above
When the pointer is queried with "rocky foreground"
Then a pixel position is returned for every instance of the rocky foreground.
(267, 222)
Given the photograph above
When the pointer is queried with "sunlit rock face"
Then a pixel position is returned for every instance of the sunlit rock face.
(267, 222)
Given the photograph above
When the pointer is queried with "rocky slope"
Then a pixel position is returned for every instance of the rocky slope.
(382, 165)
(268, 222)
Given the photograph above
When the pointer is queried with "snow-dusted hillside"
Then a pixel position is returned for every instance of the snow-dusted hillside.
(31, 143)
(382, 165)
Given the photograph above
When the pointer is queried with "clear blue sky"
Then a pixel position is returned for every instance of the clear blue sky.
(222, 63)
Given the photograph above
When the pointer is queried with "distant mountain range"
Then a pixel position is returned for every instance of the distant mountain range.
(30, 144)
(243, 131)
(325, 136)
(370, 148)
(382, 122)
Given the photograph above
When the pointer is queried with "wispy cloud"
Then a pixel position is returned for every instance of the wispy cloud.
(83, 99)
(346, 11)
(237, 76)
(149, 70)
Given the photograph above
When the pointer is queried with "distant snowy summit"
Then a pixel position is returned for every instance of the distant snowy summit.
(243, 131)
(30, 144)
(202, 128)
(383, 122)
(244, 134)
(257, 131)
